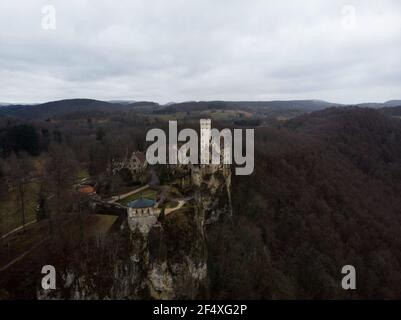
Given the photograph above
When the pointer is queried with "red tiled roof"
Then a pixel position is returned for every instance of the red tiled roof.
(87, 189)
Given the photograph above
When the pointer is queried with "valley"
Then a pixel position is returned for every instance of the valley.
(117, 227)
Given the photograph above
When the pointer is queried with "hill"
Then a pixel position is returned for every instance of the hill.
(393, 103)
(325, 193)
(305, 105)
(63, 107)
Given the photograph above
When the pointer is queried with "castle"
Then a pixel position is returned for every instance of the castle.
(143, 213)
(136, 163)
(208, 148)
(201, 180)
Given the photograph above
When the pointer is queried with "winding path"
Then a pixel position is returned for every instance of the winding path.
(17, 229)
(122, 196)
(177, 207)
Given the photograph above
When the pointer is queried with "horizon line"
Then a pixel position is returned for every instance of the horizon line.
(5, 103)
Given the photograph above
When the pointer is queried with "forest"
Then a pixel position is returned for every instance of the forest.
(326, 192)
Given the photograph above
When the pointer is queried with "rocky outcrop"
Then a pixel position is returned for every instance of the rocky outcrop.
(166, 256)
(173, 256)
(173, 252)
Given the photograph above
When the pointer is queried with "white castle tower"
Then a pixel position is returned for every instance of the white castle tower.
(206, 136)
(227, 151)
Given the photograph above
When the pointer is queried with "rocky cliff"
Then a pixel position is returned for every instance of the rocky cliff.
(166, 260)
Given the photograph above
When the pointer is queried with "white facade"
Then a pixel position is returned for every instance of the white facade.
(136, 212)
(143, 219)
(206, 136)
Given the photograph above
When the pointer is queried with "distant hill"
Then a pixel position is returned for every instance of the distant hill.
(135, 104)
(57, 108)
(143, 104)
(305, 105)
(121, 101)
(63, 107)
(194, 106)
(378, 105)
(393, 103)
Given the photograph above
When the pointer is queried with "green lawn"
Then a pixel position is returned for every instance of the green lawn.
(82, 174)
(147, 193)
(170, 204)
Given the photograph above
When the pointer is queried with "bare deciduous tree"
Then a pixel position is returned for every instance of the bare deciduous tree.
(21, 169)
(61, 169)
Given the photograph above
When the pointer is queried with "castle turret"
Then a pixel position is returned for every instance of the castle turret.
(205, 129)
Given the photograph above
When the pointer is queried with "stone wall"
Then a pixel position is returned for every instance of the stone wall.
(142, 220)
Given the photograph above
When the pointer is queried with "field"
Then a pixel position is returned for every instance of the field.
(225, 114)
(10, 213)
(147, 193)
(17, 245)
(170, 204)
(82, 174)
(10, 216)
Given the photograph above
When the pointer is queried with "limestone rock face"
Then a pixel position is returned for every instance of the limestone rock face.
(214, 193)
(174, 256)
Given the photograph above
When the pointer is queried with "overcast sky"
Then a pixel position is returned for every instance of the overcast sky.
(177, 50)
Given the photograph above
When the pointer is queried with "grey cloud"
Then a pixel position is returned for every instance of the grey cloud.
(200, 50)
